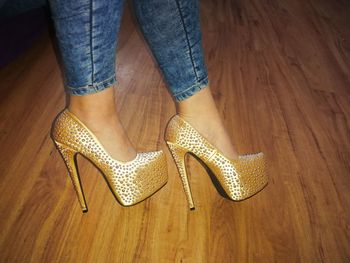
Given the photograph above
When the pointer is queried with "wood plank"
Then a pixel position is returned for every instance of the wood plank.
(280, 75)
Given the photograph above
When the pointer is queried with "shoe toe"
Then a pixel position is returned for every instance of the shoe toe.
(160, 169)
(253, 174)
(154, 174)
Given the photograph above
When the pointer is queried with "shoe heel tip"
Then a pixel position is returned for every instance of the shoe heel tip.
(192, 208)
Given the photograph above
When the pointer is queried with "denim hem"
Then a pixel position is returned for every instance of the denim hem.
(188, 92)
(92, 88)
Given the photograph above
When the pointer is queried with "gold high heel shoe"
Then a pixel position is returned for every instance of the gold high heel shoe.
(130, 182)
(240, 178)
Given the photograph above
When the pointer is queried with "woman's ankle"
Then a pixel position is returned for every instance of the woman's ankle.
(200, 111)
(96, 106)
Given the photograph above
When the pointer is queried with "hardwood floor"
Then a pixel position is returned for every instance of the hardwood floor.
(280, 74)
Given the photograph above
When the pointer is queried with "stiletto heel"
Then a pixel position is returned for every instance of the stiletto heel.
(68, 156)
(239, 178)
(130, 182)
(178, 154)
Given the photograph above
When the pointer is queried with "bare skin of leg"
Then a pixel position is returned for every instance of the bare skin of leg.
(98, 112)
(199, 110)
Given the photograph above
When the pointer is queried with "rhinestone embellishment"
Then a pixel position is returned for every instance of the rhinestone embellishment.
(240, 178)
(131, 181)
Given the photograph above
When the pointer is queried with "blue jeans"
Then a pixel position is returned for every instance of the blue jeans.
(87, 33)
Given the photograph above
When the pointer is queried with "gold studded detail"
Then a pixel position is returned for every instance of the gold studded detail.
(240, 178)
(131, 181)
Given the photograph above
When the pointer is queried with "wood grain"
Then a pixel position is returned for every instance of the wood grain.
(280, 74)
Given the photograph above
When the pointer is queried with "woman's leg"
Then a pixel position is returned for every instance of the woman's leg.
(87, 32)
(172, 29)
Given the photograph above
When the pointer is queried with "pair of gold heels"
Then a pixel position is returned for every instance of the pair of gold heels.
(135, 180)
